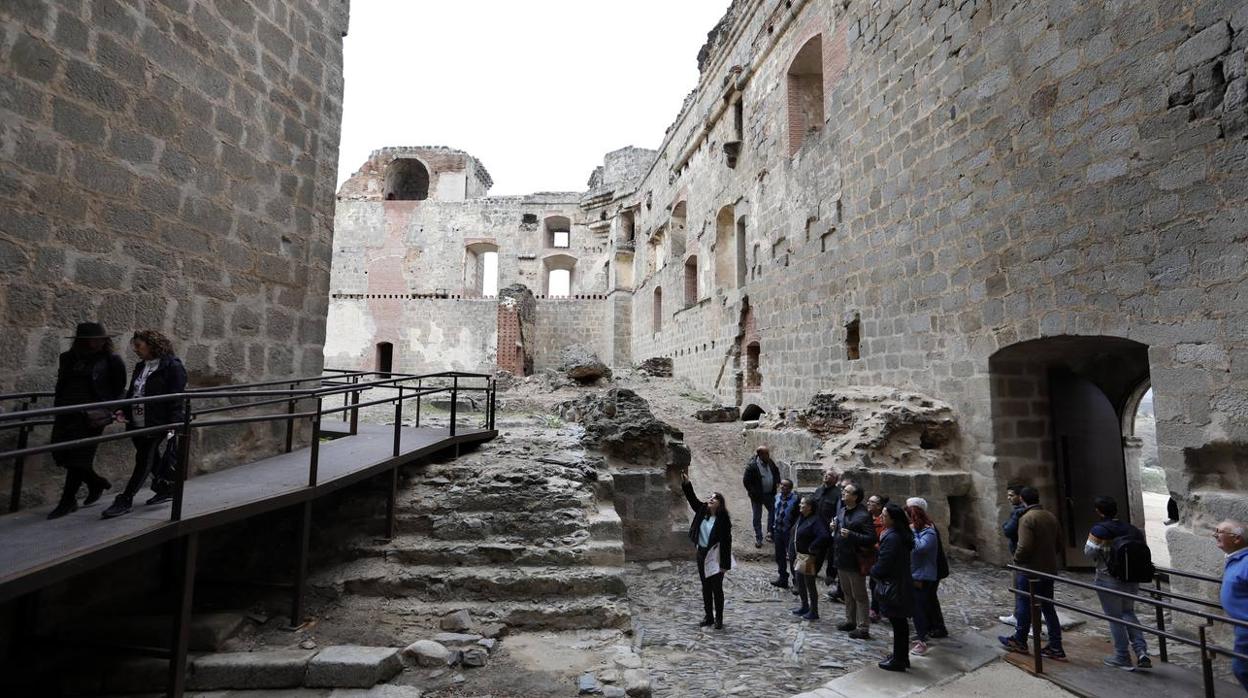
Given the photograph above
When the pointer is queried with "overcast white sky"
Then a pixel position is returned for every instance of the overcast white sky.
(538, 90)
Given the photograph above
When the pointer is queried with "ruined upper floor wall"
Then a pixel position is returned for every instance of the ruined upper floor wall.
(448, 175)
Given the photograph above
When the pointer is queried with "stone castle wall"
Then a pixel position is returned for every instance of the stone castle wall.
(960, 199)
(169, 166)
(985, 175)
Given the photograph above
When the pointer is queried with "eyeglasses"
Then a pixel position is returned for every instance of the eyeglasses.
(1217, 533)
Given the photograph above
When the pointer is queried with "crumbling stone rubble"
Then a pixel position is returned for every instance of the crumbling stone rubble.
(882, 426)
(581, 364)
(656, 366)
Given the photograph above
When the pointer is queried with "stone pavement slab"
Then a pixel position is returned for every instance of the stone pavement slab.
(352, 666)
(946, 661)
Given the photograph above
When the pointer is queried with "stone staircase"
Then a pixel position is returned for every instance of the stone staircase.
(521, 533)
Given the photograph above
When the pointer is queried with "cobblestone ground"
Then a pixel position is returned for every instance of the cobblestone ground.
(763, 650)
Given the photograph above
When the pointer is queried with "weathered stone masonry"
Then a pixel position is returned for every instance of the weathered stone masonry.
(169, 165)
(969, 200)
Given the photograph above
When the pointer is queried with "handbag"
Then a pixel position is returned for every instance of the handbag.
(99, 417)
(806, 563)
(887, 591)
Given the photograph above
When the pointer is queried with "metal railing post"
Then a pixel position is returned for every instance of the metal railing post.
(398, 421)
(181, 640)
(314, 454)
(290, 422)
(1206, 664)
(1038, 658)
(355, 411)
(493, 402)
(1161, 622)
(184, 461)
(419, 385)
(19, 463)
(346, 397)
(454, 401)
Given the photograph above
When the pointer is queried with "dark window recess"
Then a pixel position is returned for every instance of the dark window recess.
(853, 338)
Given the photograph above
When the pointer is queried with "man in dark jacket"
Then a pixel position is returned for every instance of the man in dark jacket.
(854, 533)
(761, 479)
(1039, 549)
(827, 500)
(781, 532)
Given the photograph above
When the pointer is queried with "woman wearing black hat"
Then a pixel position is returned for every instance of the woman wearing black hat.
(90, 371)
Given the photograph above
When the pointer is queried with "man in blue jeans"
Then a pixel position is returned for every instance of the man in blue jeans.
(1039, 549)
(1230, 536)
(1099, 547)
(761, 479)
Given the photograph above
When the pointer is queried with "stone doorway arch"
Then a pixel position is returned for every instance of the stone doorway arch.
(1058, 410)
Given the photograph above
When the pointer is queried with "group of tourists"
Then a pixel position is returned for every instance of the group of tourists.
(882, 559)
(90, 372)
(885, 561)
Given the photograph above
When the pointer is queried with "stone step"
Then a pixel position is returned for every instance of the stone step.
(421, 550)
(376, 577)
(498, 495)
(605, 524)
(477, 525)
(597, 611)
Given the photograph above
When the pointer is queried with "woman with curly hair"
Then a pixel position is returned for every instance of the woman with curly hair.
(158, 372)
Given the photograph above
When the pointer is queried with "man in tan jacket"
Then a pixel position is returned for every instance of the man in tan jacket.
(1040, 549)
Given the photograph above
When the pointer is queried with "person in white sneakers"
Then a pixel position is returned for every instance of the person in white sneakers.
(1009, 529)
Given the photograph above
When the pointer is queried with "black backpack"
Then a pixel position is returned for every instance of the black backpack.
(1130, 560)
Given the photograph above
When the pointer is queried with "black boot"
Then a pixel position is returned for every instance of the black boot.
(121, 506)
(96, 486)
(69, 494)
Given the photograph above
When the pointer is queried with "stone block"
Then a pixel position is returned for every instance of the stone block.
(352, 666)
(254, 670)
(456, 639)
(1208, 44)
(429, 653)
(455, 622)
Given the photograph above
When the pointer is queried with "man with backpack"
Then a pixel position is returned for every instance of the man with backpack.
(1122, 562)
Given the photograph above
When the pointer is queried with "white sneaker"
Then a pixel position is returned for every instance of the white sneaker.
(1008, 620)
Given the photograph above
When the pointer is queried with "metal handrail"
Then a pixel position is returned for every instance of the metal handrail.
(1207, 650)
(1169, 572)
(26, 418)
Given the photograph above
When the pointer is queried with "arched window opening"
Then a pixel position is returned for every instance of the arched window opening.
(658, 308)
(407, 180)
(677, 230)
(753, 379)
(481, 269)
(559, 283)
(385, 358)
(725, 249)
(558, 232)
(805, 93)
(853, 338)
(559, 270)
(691, 280)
